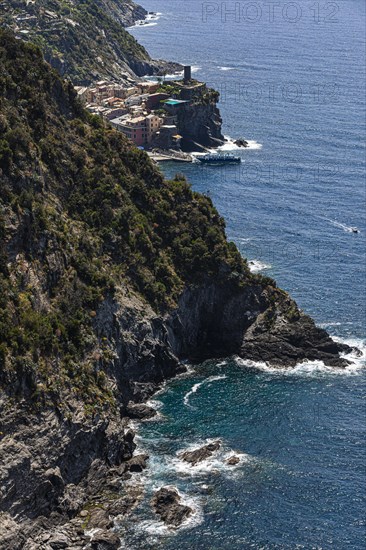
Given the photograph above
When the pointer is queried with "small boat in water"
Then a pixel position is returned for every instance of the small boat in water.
(355, 230)
(219, 159)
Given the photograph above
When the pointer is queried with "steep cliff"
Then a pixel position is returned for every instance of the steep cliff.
(109, 277)
(197, 118)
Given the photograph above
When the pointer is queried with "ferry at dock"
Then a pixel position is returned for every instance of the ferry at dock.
(219, 159)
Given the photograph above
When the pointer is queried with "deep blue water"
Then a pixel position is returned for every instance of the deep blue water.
(294, 83)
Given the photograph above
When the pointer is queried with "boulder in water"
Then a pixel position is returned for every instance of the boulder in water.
(166, 503)
(233, 460)
(198, 455)
(241, 143)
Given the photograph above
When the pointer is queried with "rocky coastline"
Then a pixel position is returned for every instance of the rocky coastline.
(64, 465)
(63, 476)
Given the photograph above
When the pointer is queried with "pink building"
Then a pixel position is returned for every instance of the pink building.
(135, 130)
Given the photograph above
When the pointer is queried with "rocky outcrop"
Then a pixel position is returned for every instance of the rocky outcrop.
(283, 335)
(198, 455)
(167, 504)
(241, 142)
(55, 462)
(51, 467)
(256, 323)
(125, 12)
(200, 126)
(137, 463)
(233, 460)
(139, 411)
(154, 67)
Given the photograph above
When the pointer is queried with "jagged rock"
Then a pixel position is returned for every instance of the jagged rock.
(58, 541)
(139, 411)
(283, 335)
(99, 518)
(200, 125)
(137, 463)
(105, 540)
(72, 499)
(166, 503)
(193, 457)
(241, 143)
(233, 460)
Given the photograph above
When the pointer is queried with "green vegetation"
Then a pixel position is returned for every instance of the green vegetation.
(171, 88)
(83, 213)
(82, 38)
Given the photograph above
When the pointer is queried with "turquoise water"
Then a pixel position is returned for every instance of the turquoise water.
(292, 83)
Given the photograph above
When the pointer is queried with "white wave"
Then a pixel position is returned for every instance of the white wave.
(330, 324)
(253, 144)
(347, 228)
(226, 68)
(229, 145)
(243, 240)
(149, 21)
(154, 403)
(198, 385)
(190, 370)
(133, 424)
(357, 358)
(215, 464)
(142, 25)
(256, 266)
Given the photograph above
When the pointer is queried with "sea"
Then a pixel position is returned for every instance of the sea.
(292, 81)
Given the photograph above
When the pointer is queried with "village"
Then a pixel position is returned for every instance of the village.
(146, 112)
(168, 117)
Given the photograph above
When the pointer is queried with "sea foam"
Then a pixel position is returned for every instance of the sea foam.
(230, 145)
(215, 464)
(196, 386)
(256, 266)
(149, 21)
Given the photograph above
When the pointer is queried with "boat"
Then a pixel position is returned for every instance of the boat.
(355, 230)
(219, 159)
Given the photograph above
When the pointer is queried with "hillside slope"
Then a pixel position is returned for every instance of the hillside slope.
(85, 40)
(109, 276)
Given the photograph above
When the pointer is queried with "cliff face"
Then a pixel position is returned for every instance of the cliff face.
(257, 323)
(125, 12)
(199, 120)
(200, 125)
(109, 277)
